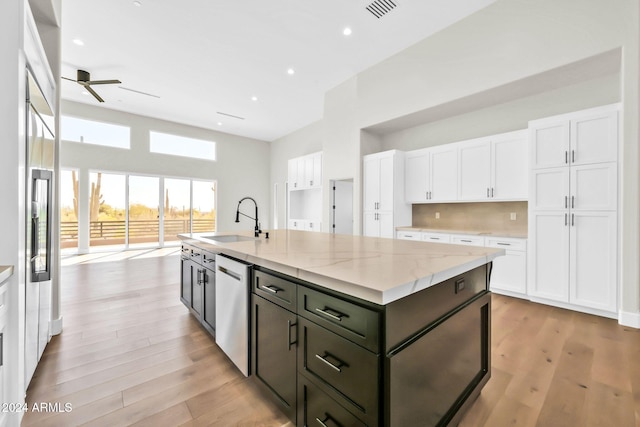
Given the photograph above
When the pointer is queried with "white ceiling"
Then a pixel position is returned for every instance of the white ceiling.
(203, 57)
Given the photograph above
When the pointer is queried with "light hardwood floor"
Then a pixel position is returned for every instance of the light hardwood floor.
(131, 354)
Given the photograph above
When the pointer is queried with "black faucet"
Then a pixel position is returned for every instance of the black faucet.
(238, 213)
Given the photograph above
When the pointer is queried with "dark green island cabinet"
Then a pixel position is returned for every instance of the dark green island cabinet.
(198, 284)
(329, 359)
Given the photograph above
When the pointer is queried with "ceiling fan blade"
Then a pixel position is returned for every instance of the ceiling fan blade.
(103, 82)
(93, 92)
(71, 80)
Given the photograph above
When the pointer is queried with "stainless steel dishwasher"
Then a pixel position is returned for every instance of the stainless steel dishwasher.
(232, 310)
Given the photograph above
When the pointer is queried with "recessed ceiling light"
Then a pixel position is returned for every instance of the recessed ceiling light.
(254, 98)
(347, 31)
(137, 3)
(219, 123)
(78, 42)
(291, 71)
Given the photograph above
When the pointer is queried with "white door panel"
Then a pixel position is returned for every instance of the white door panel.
(593, 260)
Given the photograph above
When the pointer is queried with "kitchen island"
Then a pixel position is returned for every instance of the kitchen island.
(351, 330)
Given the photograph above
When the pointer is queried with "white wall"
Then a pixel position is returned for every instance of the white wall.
(508, 43)
(508, 116)
(242, 167)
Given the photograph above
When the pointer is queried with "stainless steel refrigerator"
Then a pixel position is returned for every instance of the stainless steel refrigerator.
(38, 203)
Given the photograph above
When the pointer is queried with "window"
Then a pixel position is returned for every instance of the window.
(90, 132)
(107, 201)
(132, 211)
(164, 143)
(177, 208)
(204, 206)
(144, 210)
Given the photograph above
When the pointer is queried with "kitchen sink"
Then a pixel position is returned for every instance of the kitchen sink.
(229, 238)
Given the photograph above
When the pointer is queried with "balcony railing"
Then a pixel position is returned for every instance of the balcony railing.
(140, 231)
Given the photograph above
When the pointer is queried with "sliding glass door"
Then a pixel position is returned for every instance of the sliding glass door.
(144, 211)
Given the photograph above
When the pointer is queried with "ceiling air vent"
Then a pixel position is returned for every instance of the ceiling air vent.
(379, 8)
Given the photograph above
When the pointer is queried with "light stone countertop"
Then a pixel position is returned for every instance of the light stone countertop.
(467, 232)
(5, 272)
(378, 270)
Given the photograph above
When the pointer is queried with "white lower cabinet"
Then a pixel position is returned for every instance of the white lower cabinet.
(409, 235)
(312, 226)
(509, 272)
(574, 258)
(305, 225)
(592, 260)
(469, 240)
(436, 237)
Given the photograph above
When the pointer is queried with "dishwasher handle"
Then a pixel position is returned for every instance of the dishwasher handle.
(230, 273)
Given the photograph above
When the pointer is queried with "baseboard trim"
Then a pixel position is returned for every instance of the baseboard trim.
(56, 326)
(626, 318)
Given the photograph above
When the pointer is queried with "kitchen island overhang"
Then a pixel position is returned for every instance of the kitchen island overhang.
(376, 270)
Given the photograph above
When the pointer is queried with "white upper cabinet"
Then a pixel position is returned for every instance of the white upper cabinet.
(594, 138)
(475, 170)
(371, 177)
(494, 168)
(431, 174)
(510, 166)
(586, 137)
(304, 209)
(384, 207)
(594, 187)
(294, 178)
(483, 169)
(417, 176)
(549, 143)
(305, 172)
(444, 173)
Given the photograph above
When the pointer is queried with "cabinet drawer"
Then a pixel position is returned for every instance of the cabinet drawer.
(208, 260)
(317, 409)
(356, 323)
(436, 237)
(408, 235)
(506, 243)
(349, 371)
(467, 240)
(196, 255)
(275, 289)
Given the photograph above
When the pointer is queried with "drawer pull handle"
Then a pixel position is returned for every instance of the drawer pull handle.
(184, 258)
(466, 241)
(337, 316)
(289, 325)
(331, 365)
(209, 261)
(327, 417)
(271, 288)
(504, 244)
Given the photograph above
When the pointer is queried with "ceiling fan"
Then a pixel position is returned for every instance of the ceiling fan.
(84, 79)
